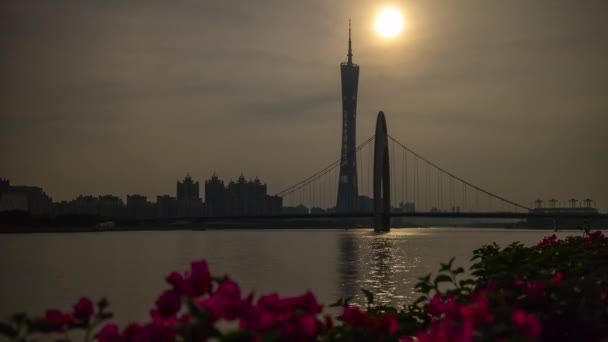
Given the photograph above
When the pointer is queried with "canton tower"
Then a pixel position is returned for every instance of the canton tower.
(348, 193)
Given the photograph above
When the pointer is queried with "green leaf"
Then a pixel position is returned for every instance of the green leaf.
(7, 330)
(105, 315)
(196, 311)
(236, 336)
(338, 303)
(451, 262)
(18, 318)
(442, 278)
(465, 282)
(369, 296)
(425, 279)
(102, 304)
(459, 270)
(271, 336)
(420, 300)
(40, 326)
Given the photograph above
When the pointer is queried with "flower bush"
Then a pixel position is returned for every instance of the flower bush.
(557, 290)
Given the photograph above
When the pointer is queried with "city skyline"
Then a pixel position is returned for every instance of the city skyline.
(144, 98)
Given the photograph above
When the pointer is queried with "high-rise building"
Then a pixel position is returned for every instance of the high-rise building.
(187, 190)
(215, 196)
(247, 197)
(110, 206)
(139, 208)
(348, 193)
(30, 199)
(189, 203)
(167, 206)
(240, 197)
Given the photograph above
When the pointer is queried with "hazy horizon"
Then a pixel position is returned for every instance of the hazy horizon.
(121, 97)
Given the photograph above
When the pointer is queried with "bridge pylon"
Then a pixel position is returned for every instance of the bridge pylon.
(382, 188)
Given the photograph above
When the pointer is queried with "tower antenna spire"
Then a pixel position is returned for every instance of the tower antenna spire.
(350, 50)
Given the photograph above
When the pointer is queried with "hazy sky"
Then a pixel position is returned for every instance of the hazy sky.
(127, 96)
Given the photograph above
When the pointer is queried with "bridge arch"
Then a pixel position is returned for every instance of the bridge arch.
(382, 188)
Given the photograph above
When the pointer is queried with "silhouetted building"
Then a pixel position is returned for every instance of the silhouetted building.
(111, 207)
(247, 197)
(297, 210)
(29, 199)
(243, 197)
(139, 208)
(215, 196)
(274, 205)
(187, 190)
(348, 193)
(167, 206)
(5, 184)
(317, 210)
(82, 205)
(189, 203)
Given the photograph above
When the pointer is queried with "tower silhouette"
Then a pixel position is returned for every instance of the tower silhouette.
(348, 193)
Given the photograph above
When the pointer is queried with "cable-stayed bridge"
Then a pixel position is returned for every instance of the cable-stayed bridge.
(395, 181)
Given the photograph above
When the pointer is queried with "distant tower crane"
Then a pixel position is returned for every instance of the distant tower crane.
(553, 202)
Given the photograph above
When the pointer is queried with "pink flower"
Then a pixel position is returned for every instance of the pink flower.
(534, 290)
(307, 325)
(154, 332)
(109, 333)
(557, 278)
(548, 241)
(477, 313)
(229, 289)
(451, 308)
(435, 306)
(329, 322)
(594, 236)
(128, 335)
(597, 234)
(307, 302)
(57, 318)
(226, 302)
(389, 324)
(293, 317)
(168, 304)
(353, 316)
(199, 282)
(260, 321)
(83, 309)
(444, 331)
(269, 301)
(603, 295)
(177, 281)
(168, 321)
(526, 324)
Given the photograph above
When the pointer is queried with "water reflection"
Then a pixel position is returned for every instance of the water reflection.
(379, 262)
(381, 273)
(347, 266)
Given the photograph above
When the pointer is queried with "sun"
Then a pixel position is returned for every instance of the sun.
(389, 22)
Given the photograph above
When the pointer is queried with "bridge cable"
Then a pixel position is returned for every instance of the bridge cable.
(320, 173)
(460, 179)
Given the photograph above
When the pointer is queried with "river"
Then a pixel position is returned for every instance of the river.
(53, 270)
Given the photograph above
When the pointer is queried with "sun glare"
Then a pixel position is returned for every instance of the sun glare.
(389, 22)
